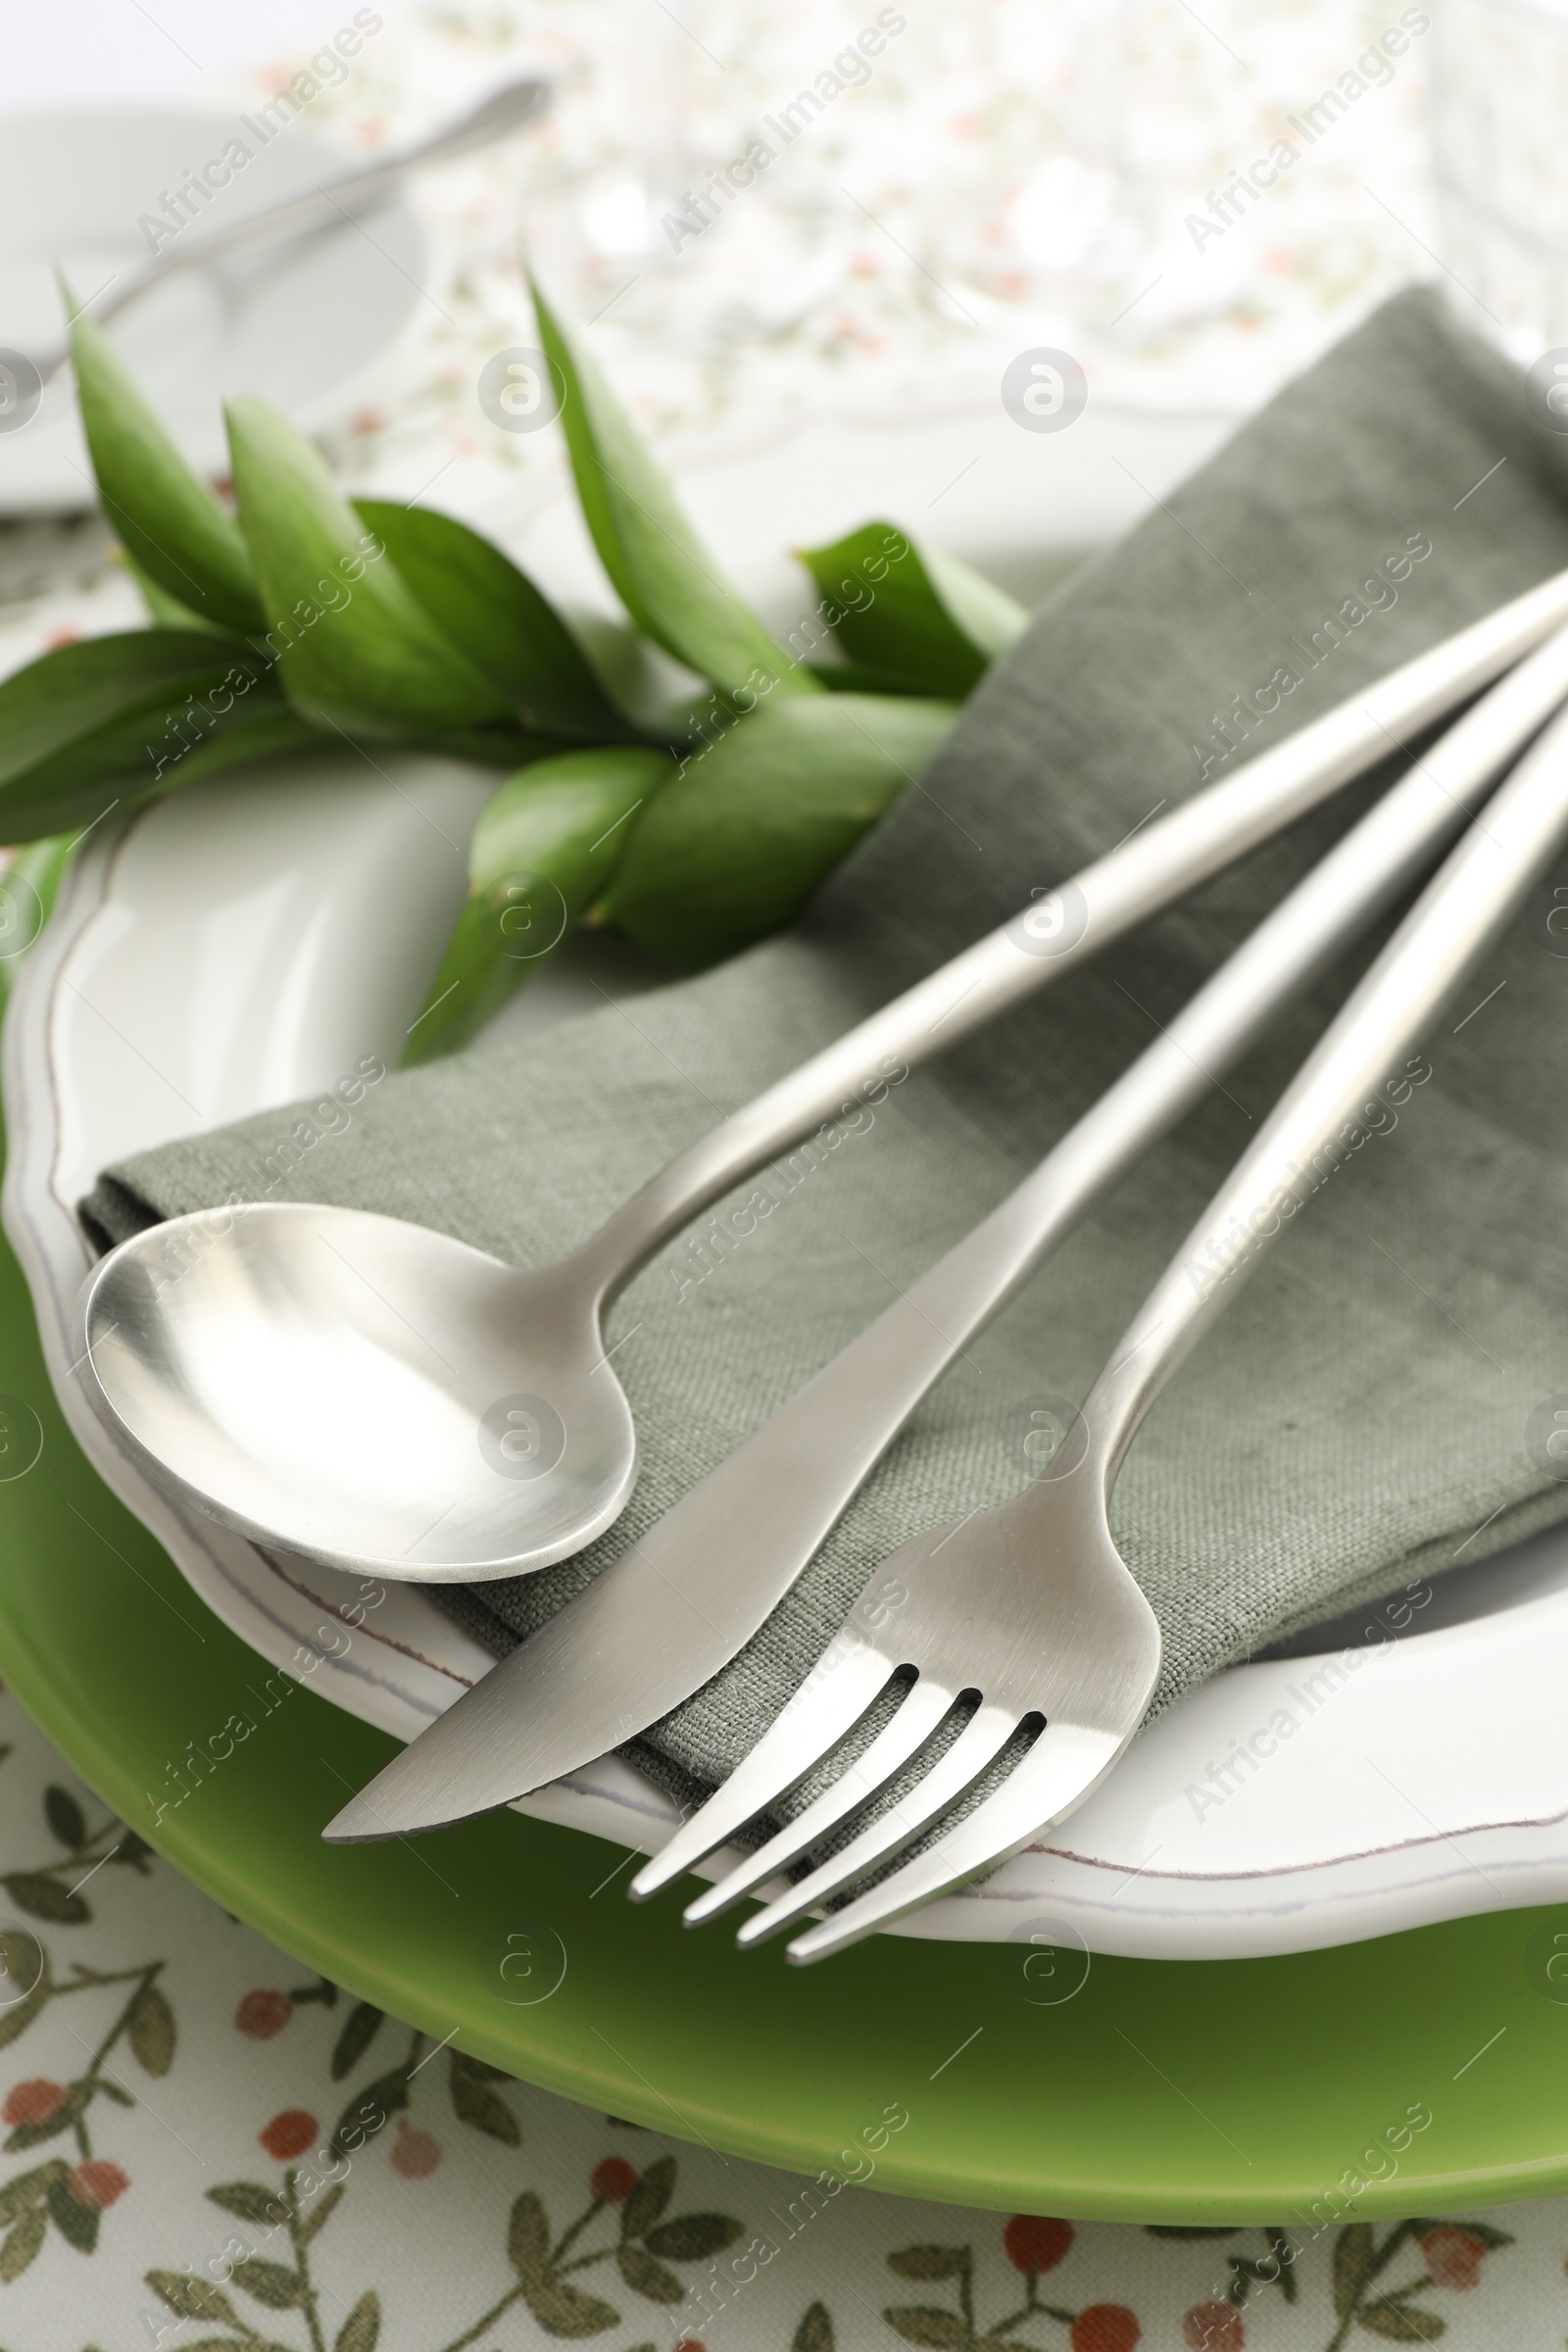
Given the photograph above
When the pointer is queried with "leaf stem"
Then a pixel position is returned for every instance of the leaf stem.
(309, 2301)
(487, 2319)
(569, 2235)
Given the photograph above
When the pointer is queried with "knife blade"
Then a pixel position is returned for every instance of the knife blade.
(687, 1595)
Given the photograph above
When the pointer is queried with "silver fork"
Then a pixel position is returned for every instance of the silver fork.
(1029, 1611)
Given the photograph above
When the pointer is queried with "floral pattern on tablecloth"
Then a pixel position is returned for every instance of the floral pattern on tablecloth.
(209, 2149)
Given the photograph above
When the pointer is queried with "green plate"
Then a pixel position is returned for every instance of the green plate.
(1170, 2091)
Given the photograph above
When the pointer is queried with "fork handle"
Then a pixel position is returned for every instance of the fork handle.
(1358, 1068)
(1158, 865)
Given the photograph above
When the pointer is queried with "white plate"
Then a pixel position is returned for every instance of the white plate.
(297, 324)
(245, 943)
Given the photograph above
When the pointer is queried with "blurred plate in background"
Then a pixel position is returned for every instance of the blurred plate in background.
(297, 324)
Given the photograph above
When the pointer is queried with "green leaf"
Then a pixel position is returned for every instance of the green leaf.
(369, 2112)
(165, 611)
(1354, 2255)
(930, 2262)
(45, 1898)
(914, 614)
(75, 2222)
(529, 2239)
(270, 2282)
(67, 1825)
(749, 829)
(990, 619)
(646, 2276)
(21, 2243)
(655, 2187)
(691, 2237)
(562, 2308)
(116, 718)
(192, 2298)
(250, 2201)
(492, 612)
(354, 645)
(173, 529)
(319, 2213)
(924, 2324)
(360, 2029)
(543, 849)
(815, 2331)
(476, 2104)
(152, 2032)
(1400, 2322)
(28, 2189)
(363, 2327)
(663, 575)
(862, 678)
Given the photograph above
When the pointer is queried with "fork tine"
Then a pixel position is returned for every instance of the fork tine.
(897, 1741)
(983, 1737)
(1067, 1762)
(834, 1696)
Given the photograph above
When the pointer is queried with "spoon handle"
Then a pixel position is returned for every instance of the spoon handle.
(1350, 1087)
(1063, 928)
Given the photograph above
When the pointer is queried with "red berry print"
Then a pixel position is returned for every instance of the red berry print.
(34, 2102)
(613, 2181)
(98, 2182)
(288, 2135)
(1104, 2327)
(1035, 2244)
(1454, 2257)
(415, 2154)
(260, 2015)
(1213, 2327)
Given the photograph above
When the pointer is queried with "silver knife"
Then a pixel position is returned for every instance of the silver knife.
(685, 1599)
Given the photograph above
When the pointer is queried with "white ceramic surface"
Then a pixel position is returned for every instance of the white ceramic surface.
(248, 942)
(298, 324)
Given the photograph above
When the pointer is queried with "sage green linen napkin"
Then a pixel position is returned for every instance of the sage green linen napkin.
(1360, 1411)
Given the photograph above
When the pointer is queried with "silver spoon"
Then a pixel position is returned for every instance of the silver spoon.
(346, 196)
(374, 1396)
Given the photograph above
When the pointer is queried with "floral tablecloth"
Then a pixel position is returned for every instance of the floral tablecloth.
(206, 2146)
(206, 2149)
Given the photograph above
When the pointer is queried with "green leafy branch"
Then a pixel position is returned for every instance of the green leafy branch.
(469, 2083)
(71, 2196)
(543, 2268)
(304, 619)
(38, 1890)
(1247, 2272)
(945, 2330)
(1394, 2313)
(276, 2286)
(642, 2249)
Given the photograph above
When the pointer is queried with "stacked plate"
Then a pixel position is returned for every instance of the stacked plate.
(1201, 1999)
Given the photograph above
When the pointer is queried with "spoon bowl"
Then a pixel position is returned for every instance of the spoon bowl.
(361, 1392)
